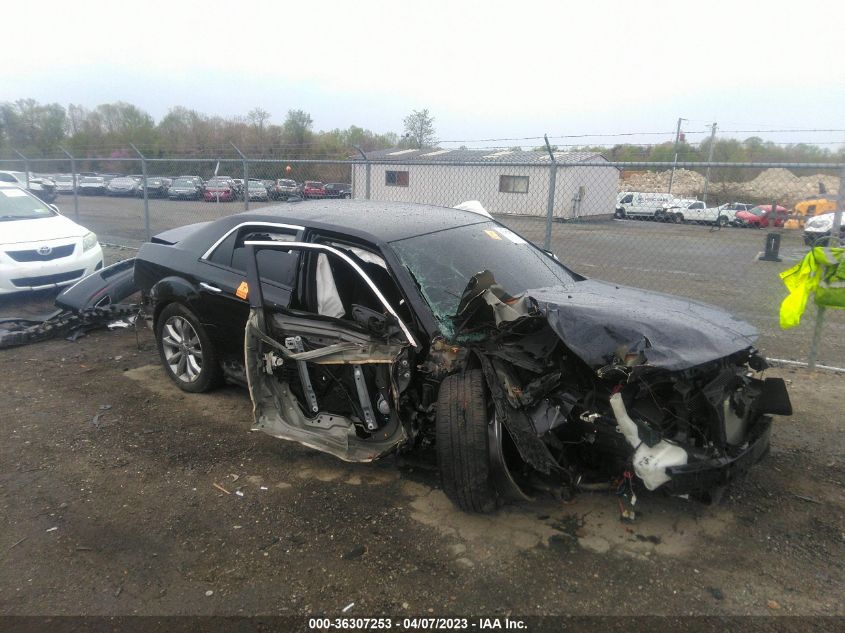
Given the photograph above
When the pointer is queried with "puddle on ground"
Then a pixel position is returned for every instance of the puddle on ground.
(665, 527)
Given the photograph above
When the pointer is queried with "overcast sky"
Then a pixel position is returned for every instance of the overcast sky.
(484, 69)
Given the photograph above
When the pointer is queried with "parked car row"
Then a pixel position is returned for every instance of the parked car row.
(187, 187)
(664, 207)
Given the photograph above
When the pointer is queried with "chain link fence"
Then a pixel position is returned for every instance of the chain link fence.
(696, 230)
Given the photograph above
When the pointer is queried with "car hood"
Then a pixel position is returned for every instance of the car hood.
(599, 321)
(40, 229)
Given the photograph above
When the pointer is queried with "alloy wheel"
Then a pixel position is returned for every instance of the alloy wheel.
(182, 348)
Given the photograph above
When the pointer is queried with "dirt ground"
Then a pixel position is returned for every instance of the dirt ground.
(119, 494)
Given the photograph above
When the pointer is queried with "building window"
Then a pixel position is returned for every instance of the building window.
(396, 178)
(513, 184)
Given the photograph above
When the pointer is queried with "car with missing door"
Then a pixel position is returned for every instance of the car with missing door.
(366, 328)
(39, 247)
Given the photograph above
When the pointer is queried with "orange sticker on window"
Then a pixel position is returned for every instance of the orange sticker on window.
(493, 234)
(243, 291)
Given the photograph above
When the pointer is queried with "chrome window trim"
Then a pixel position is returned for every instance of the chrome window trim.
(330, 249)
(279, 225)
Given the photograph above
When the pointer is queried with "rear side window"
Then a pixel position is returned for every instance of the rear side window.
(274, 265)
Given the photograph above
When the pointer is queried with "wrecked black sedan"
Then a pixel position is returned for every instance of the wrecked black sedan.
(365, 328)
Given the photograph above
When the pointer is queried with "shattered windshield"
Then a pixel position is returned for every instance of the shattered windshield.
(444, 262)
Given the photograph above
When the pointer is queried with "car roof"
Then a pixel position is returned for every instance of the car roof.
(377, 221)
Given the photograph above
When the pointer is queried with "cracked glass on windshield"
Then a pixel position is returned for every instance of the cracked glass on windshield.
(444, 262)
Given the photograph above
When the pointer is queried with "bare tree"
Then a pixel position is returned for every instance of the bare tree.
(419, 129)
(257, 117)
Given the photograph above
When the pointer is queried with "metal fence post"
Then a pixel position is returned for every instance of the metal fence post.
(144, 185)
(834, 235)
(246, 176)
(75, 183)
(25, 165)
(550, 205)
(367, 172)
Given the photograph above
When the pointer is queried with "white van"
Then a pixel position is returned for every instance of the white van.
(637, 205)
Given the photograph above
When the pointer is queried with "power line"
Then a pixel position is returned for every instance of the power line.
(629, 134)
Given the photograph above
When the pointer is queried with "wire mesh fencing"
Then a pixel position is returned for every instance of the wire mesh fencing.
(714, 232)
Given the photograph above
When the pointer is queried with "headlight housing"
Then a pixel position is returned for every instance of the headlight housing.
(89, 241)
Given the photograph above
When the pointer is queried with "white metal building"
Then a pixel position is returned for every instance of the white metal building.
(504, 181)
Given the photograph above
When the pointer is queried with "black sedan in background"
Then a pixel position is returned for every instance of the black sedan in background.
(338, 190)
(365, 328)
(157, 187)
(186, 188)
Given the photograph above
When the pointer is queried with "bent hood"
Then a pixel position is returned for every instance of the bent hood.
(598, 320)
(39, 229)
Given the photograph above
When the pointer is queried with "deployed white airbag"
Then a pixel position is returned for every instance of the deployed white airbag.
(650, 462)
(328, 298)
(475, 207)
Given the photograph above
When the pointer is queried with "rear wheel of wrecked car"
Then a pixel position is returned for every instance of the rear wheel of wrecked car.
(186, 351)
(462, 443)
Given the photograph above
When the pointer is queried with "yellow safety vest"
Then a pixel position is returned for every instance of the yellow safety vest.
(822, 273)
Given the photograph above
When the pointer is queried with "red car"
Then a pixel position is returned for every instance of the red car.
(222, 190)
(313, 189)
(760, 217)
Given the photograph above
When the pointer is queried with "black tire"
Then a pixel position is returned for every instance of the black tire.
(210, 375)
(722, 221)
(678, 218)
(462, 444)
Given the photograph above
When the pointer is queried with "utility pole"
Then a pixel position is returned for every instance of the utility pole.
(709, 160)
(675, 160)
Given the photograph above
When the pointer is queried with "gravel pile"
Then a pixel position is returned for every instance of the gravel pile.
(771, 184)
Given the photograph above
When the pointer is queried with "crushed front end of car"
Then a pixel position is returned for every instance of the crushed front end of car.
(594, 380)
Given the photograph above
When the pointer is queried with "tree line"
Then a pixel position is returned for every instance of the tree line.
(39, 130)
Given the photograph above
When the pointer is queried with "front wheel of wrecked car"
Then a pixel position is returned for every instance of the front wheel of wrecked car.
(186, 351)
(462, 442)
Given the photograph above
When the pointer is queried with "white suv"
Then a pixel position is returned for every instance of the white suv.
(39, 247)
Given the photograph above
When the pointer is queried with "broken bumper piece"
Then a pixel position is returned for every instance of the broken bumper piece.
(709, 474)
